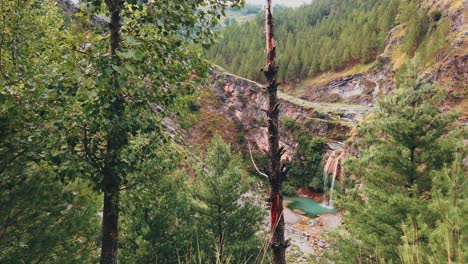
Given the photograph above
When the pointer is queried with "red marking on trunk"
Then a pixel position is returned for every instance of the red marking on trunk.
(274, 210)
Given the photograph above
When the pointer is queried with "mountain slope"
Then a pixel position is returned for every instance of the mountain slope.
(433, 32)
(324, 35)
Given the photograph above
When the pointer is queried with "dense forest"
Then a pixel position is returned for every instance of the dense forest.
(97, 162)
(86, 165)
(326, 35)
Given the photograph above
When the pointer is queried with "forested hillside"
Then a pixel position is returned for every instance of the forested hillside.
(329, 35)
(121, 142)
(324, 35)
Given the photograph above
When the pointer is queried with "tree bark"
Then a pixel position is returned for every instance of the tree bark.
(276, 173)
(110, 220)
(115, 141)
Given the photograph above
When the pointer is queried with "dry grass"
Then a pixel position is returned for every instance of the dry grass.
(208, 124)
(464, 109)
(324, 78)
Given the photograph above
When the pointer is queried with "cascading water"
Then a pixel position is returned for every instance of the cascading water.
(333, 160)
(335, 172)
(326, 168)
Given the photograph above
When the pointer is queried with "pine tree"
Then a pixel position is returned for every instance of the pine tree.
(159, 214)
(229, 219)
(305, 169)
(405, 144)
(317, 34)
(448, 232)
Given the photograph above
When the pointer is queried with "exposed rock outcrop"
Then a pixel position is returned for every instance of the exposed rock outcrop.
(360, 88)
(71, 8)
(242, 101)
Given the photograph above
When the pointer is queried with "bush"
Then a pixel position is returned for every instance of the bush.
(290, 124)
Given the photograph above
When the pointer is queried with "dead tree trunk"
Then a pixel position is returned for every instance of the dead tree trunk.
(276, 173)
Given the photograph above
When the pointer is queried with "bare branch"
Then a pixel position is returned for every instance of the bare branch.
(253, 162)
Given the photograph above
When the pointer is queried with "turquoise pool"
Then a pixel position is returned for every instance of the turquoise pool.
(308, 206)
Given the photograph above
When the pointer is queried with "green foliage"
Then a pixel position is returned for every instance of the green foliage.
(41, 219)
(44, 220)
(158, 215)
(416, 24)
(248, 9)
(71, 112)
(425, 33)
(450, 203)
(155, 59)
(229, 220)
(290, 124)
(324, 35)
(402, 149)
(449, 206)
(305, 170)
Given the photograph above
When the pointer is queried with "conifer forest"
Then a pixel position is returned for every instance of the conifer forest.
(233, 131)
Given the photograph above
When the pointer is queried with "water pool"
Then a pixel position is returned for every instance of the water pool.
(308, 206)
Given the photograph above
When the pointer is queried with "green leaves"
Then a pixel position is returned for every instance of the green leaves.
(136, 55)
(69, 111)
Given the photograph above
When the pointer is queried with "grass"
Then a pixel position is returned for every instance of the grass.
(322, 107)
(455, 4)
(324, 78)
(463, 108)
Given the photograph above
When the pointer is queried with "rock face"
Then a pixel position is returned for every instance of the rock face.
(330, 107)
(360, 88)
(453, 74)
(70, 7)
(242, 101)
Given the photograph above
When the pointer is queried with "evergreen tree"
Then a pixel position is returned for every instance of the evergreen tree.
(321, 36)
(228, 221)
(159, 214)
(447, 235)
(407, 142)
(416, 24)
(305, 170)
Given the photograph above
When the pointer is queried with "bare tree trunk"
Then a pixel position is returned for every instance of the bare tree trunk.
(110, 220)
(276, 173)
(115, 141)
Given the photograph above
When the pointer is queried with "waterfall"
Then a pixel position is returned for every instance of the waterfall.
(326, 168)
(333, 160)
(335, 172)
(325, 175)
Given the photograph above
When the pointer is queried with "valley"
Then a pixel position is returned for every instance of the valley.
(301, 131)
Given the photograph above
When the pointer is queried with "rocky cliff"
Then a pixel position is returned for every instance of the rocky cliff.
(330, 105)
(242, 101)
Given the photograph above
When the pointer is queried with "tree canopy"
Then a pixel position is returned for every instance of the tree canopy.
(324, 35)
